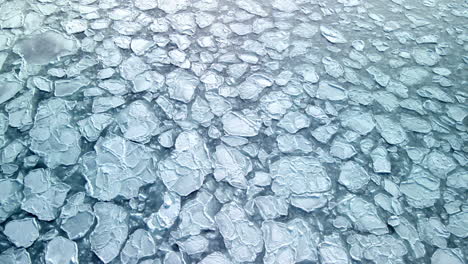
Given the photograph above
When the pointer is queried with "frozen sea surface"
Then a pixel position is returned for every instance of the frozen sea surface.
(233, 131)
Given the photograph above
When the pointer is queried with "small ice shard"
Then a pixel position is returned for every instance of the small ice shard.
(390, 130)
(231, 166)
(22, 232)
(238, 124)
(185, 169)
(46, 47)
(140, 244)
(421, 188)
(110, 232)
(363, 214)
(11, 196)
(332, 35)
(353, 176)
(118, 167)
(60, 251)
(138, 122)
(44, 194)
(9, 87)
(181, 85)
(243, 239)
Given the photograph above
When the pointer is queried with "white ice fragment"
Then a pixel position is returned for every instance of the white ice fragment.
(276, 40)
(75, 26)
(361, 122)
(243, 239)
(331, 91)
(167, 213)
(324, 133)
(215, 258)
(332, 67)
(140, 244)
(433, 231)
(138, 122)
(439, 163)
(380, 160)
(110, 232)
(181, 85)
(46, 47)
(390, 130)
(194, 245)
(271, 207)
(434, 92)
(61, 250)
(252, 7)
(146, 4)
(363, 214)
(197, 215)
(353, 176)
(458, 224)
(15, 256)
(342, 150)
(415, 123)
(132, 67)
(275, 104)
(231, 166)
(70, 86)
(447, 255)
(421, 188)
(294, 121)
(92, 126)
(239, 124)
(370, 247)
(173, 6)
(332, 35)
(10, 86)
(288, 143)
(185, 169)
(53, 136)
(333, 251)
(10, 197)
(425, 57)
(381, 78)
(44, 194)
(118, 167)
(299, 175)
(413, 75)
(22, 232)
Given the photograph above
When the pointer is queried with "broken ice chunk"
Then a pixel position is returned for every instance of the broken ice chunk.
(332, 251)
(271, 207)
(353, 176)
(22, 232)
(231, 166)
(276, 104)
(288, 143)
(10, 197)
(243, 125)
(370, 247)
(77, 216)
(390, 130)
(332, 67)
(181, 85)
(363, 214)
(447, 255)
(361, 122)
(173, 6)
(277, 40)
(299, 175)
(132, 67)
(439, 163)
(15, 256)
(148, 81)
(332, 35)
(139, 245)
(294, 121)
(380, 160)
(197, 215)
(138, 122)
(61, 250)
(434, 92)
(110, 232)
(215, 258)
(118, 167)
(433, 231)
(252, 7)
(53, 136)
(421, 188)
(70, 86)
(413, 75)
(194, 245)
(46, 47)
(342, 150)
(167, 213)
(10, 86)
(243, 239)
(185, 169)
(458, 224)
(20, 110)
(425, 57)
(331, 91)
(44, 194)
(92, 126)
